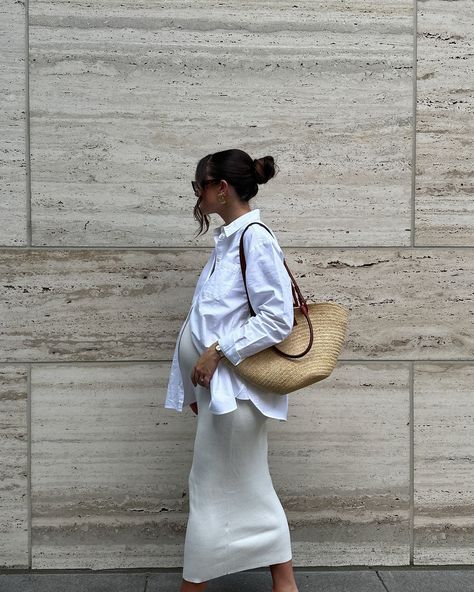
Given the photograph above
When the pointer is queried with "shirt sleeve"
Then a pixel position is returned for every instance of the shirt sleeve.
(270, 293)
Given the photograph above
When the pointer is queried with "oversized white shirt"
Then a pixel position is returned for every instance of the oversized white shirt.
(220, 312)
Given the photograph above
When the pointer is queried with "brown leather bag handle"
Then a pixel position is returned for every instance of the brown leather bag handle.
(298, 299)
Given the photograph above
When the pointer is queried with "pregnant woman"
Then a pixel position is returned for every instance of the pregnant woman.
(236, 520)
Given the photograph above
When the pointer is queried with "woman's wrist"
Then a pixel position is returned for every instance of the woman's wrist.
(219, 355)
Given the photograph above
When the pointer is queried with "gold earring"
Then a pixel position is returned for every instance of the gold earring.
(219, 196)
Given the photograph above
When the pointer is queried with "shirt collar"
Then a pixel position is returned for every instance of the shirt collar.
(237, 223)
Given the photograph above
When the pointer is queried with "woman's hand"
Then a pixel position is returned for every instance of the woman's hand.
(194, 407)
(205, 367)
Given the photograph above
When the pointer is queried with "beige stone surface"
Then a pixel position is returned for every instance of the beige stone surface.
(445, 124)
(341, 467)
(110, 467)
(94, 304)
(444, 463)
(99, 305)
(14, 469)
(13, 180)
(126, 98)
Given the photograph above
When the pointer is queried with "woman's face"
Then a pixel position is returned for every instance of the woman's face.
(207, 198)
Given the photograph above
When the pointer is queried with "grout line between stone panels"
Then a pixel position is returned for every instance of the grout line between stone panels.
(29, 242)
(28, 464)
(27, 127)
(412, 363)
(369, 569)
(412, 461)
(209, 248)
(167, 361)
(414, 107)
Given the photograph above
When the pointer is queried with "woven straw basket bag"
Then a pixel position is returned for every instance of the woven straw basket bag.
(309, 353)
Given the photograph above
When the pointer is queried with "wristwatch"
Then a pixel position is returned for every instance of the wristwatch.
(219, 350)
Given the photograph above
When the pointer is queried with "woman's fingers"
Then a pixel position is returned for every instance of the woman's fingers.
(195, 378)
(198, 379)
(202, 382)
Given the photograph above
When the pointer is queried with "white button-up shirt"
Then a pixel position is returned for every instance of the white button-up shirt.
(220, 312)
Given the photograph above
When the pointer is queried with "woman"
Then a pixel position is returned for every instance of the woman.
(236, 521)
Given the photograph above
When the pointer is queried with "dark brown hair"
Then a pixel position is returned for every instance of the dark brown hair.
(239, 170)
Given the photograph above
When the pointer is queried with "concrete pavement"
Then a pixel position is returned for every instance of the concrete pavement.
(414, 579)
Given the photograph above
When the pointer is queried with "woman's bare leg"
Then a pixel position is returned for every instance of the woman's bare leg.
(192, 586)
(283, 577)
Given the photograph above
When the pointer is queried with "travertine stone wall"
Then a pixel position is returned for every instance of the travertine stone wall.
(367, 107)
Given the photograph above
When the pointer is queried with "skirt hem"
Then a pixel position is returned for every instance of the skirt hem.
(238, 570)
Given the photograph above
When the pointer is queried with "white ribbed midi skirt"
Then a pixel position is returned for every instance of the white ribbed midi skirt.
(236, 521)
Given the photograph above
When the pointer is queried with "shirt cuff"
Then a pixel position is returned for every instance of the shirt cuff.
(230, 351)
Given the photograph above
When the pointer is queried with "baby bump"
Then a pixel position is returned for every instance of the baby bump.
(188, 355)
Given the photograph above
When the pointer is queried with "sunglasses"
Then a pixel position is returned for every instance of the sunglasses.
(197, 188)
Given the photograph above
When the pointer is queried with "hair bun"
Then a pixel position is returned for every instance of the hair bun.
(265, 169)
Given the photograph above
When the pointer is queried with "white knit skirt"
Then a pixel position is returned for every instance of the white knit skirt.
(236, 520)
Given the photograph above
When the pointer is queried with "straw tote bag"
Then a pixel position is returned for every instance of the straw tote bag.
(319, 329)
